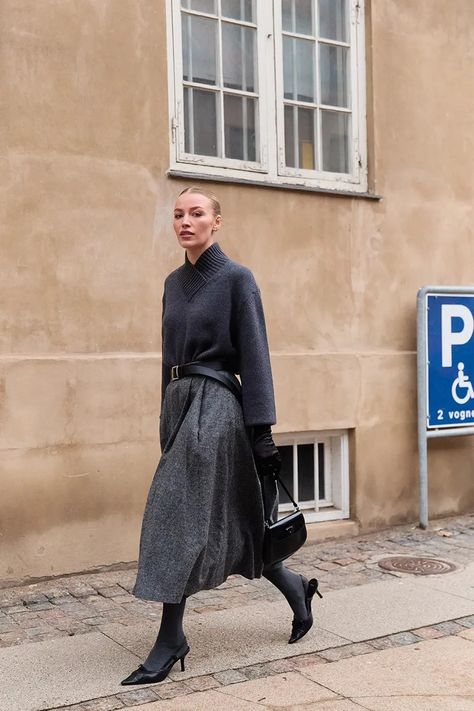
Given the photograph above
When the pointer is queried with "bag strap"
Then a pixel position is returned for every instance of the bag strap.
(277, 478)
(265, 515)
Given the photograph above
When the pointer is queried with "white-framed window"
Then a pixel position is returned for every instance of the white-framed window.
(271, 91)
(315, 469)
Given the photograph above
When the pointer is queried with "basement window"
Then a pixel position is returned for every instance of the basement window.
(315, 469)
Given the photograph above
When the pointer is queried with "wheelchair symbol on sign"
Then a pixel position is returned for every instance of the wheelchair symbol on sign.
(462, 382)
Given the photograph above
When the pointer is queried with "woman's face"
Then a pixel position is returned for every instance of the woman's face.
(194, 222)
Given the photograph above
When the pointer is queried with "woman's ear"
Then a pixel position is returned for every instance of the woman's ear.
(217, 223)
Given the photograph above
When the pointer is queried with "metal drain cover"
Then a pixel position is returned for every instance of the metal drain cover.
(417, 566)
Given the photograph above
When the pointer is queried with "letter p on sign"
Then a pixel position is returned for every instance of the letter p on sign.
(452, 338)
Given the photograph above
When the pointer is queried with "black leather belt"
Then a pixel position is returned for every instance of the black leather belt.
(215, 370)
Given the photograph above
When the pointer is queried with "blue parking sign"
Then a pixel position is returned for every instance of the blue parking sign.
(450, 360)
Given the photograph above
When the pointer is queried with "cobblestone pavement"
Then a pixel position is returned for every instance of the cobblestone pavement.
(78, 604)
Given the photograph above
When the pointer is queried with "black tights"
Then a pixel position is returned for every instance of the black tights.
(292, 585)
(171, 635)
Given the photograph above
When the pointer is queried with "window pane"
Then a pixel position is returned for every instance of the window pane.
(286, 6)
(239, 127)
(290, 136)
(333, 19)
(200, 5)
(306, 472)
(239, 57)
(238, 9)
(335, 141)
(250, 147)
(288, 69)
(297, 16)
(333, 67)
(301, 155)
(200, 120)
(304, 17)
(306, 139)
(321, 470)
(286, 473)
(298, 69)
(304, 70)
(199, 49)
(250, 45)
(188, 117)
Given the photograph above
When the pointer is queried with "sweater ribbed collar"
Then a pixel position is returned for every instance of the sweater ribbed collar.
(194, 276)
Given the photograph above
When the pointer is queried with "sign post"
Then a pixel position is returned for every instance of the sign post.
(445, 367)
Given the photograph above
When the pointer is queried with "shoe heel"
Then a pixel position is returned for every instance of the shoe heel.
(314, 588)
(182, 658)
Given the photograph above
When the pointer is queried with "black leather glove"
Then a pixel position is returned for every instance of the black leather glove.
(266, 455)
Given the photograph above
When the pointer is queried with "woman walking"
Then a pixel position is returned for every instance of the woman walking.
(204, 517)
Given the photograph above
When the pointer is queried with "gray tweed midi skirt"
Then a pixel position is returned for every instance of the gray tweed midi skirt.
(204, 517)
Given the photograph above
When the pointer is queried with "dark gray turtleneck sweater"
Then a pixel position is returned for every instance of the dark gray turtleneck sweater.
(212, 311)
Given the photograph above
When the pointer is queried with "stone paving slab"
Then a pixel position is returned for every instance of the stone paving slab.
(460, 582)
(332, 705)
(203, 701)
(438, 667)
(285, 690)
(238, 637)
(387, 607)
(220, 702)
(418, 703)
(58, 672)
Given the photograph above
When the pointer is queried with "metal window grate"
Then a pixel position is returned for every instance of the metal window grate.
(315, 470)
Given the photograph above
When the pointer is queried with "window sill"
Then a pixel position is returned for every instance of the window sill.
(324, 530)
(173, 173)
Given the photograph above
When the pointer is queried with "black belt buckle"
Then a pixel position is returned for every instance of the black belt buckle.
(175, 372)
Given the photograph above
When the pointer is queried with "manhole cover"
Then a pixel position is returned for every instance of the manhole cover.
(417, 566)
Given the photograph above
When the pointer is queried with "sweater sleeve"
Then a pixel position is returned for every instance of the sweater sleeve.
(258, 401)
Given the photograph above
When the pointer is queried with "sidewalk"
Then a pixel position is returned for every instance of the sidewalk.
(383, 640)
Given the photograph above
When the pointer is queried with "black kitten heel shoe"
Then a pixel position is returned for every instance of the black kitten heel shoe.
(144, 676)
(301, 627)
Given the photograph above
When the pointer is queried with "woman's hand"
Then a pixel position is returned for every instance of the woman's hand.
(266, 455)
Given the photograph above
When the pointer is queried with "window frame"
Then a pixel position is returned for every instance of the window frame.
(214, 165)
(271, 170)
(336, 454)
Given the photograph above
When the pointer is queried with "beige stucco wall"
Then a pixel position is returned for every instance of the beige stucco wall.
(86, 242)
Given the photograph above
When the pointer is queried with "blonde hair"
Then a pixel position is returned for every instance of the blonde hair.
(216, 208)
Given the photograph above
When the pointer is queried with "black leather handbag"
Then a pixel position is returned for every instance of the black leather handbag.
(284, 537)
